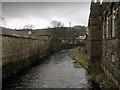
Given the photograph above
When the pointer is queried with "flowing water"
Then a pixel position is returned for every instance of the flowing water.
(56, 71)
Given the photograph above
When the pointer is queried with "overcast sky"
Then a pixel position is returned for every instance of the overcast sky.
(40, 14)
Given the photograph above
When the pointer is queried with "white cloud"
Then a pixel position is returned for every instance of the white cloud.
(41, 14)
(15, 23)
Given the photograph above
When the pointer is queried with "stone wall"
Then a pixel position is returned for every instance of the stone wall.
(55, 45)
(95, 31)
(111, 41)
(21, 50)
(104, 38)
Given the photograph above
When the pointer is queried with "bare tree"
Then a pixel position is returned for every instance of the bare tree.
(29, 26)
(2, 21)
(56, 24)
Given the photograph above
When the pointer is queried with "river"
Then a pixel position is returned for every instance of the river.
(56, 71)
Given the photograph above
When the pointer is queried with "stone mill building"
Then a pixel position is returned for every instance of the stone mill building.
(104, 38)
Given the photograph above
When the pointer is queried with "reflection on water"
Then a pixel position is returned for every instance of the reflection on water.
(57, 71)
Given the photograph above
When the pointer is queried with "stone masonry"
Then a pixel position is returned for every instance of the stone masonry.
(104, 38)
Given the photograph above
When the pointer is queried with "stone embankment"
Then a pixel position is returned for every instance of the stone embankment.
(19, 50)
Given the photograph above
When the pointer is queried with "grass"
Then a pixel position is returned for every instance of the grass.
(80, 57)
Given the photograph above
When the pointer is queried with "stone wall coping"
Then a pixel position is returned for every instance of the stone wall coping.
(20, 34)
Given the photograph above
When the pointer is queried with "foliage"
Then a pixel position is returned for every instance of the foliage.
(80, 57)
(29, 26)
(56, 24)
(2, 22)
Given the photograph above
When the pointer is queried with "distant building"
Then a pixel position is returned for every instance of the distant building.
(78, 27)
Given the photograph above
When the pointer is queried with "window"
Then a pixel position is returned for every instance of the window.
(107, 28)
(113, 21)
(104, 30)
(105, 53)
(113, 24)
(113, 57)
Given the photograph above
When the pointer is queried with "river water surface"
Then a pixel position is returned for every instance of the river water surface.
(56, 71)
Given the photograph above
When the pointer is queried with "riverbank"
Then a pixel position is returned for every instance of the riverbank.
(80, 57)
(96, 74)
